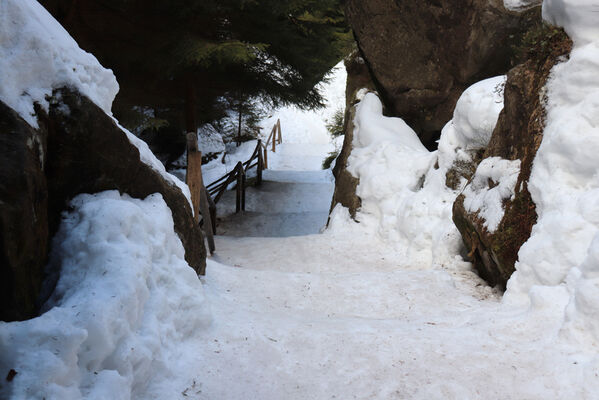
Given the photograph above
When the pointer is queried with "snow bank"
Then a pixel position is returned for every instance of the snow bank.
(493, 182)
(402, 184)
(38, 55)
(124, 300)
(562, 252)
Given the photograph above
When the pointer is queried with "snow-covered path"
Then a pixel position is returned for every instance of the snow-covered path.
(340, 315)
(345, 314)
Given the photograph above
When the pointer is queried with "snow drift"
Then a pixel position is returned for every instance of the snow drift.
(125, 299)
(560, 258)
(402, 184)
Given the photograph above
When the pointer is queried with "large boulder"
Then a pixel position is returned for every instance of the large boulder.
(358, 78)
(77, 149)
(23, 215)
(493, 247)
(423, 55)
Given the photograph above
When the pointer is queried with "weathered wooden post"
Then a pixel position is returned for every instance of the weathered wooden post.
(243, 184)
(265, 157)
(195, 182)
(274, 138)
(239, 188)
(260, 163)
(280, 135)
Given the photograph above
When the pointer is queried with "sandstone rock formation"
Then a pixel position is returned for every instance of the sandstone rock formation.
(423, 55)
(358, 78)
(517, 136)
(78, 149)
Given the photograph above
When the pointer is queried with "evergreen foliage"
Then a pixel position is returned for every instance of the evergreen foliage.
(185, 54)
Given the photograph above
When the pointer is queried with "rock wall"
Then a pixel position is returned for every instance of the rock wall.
(358, 77)
(23, 215)
(78, 149)
(517, 136)
(423, 55)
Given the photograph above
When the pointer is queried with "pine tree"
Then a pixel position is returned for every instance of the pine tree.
(171, 55)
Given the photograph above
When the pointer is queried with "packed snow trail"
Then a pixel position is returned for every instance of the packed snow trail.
(341, 315)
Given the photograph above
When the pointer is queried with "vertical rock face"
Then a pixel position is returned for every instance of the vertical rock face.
(23, 215)
(78, 149)
(423, 55)
(517, 136)
(358, 78)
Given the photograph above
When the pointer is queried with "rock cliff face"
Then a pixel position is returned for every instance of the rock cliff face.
(423, 55)
(517, 136)
(78, 149)
(358, 78)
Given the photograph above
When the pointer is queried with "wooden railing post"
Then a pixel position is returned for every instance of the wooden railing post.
(260, 163)
(265, 158)
(280, 135)
(199, 194)
(240, 188)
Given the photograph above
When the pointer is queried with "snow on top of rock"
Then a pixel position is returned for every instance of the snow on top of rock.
(477, 111)
(579, 18)
(38, 55)
(474, 120)
(520, 5)
(561, 254)
(486, 199)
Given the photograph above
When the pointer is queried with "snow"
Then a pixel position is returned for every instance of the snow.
(209, 140)
(124, 301)
(577, 17)
(411, 206)
(493, 182)
(309, 127)
(474, 119)
(382, 308)
(560, 258)
(37, 55)
(521, 5)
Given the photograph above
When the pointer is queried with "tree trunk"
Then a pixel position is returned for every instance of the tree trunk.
(239, 123)
(191, 103)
